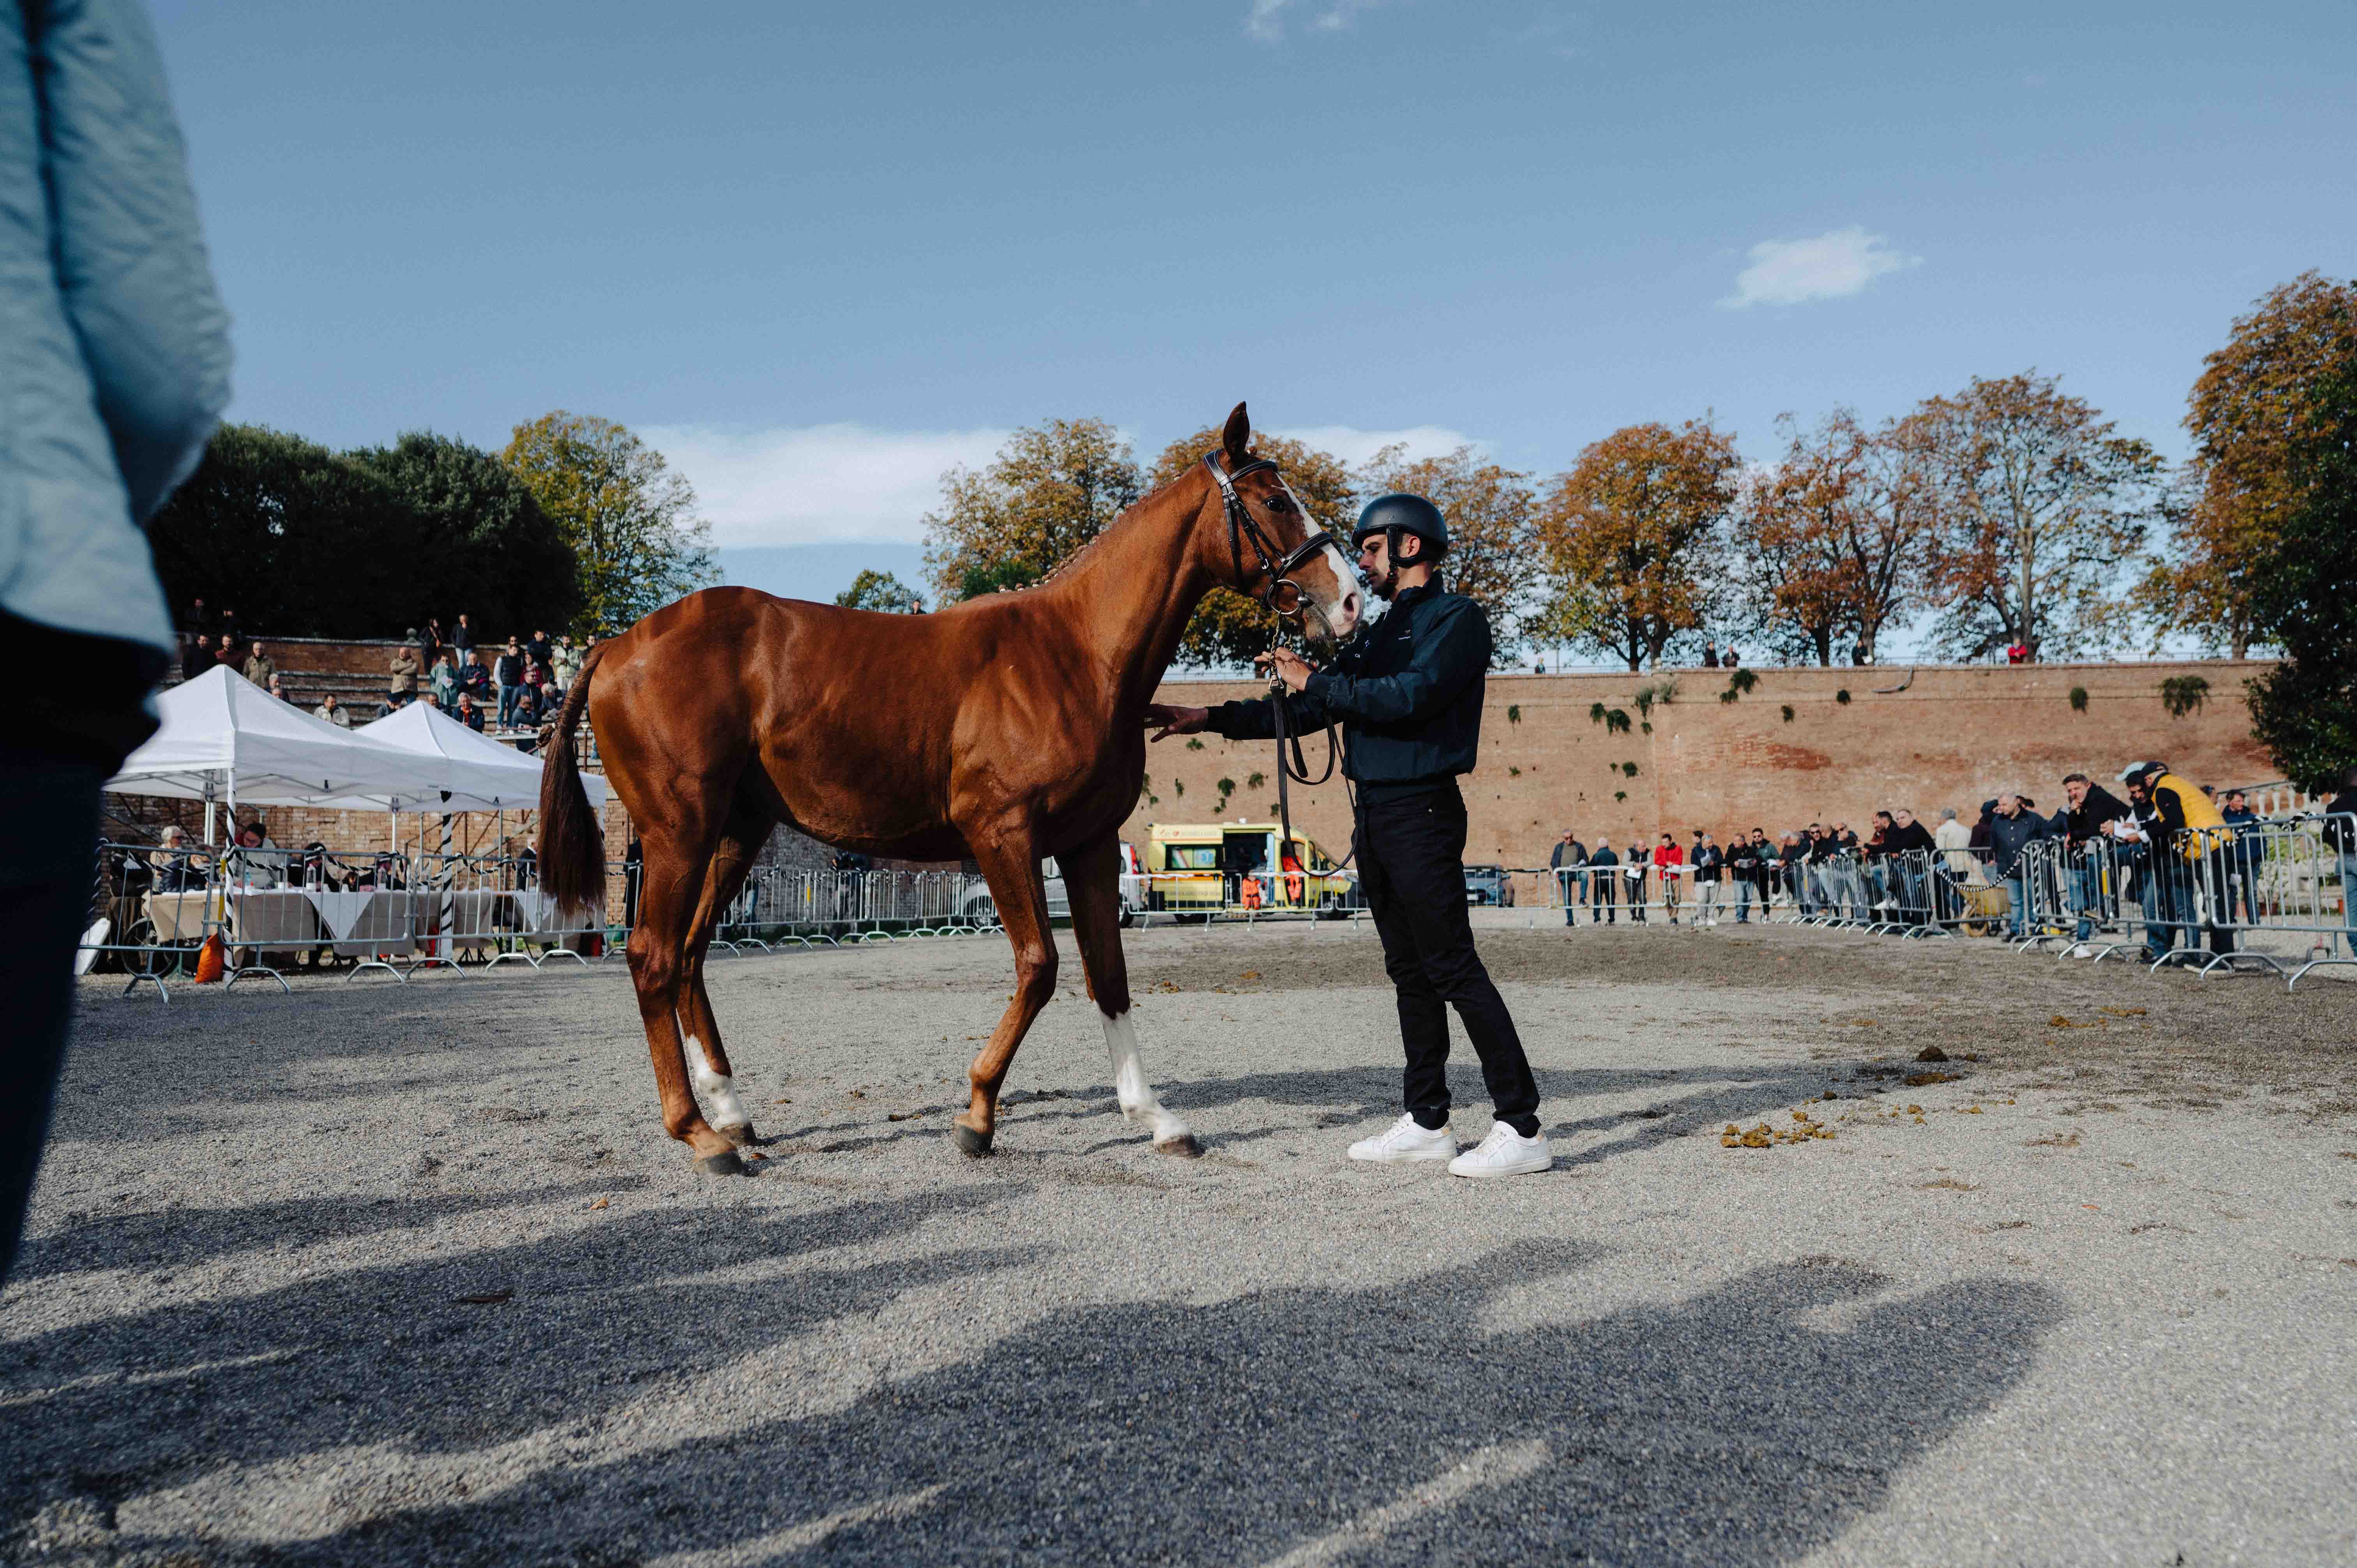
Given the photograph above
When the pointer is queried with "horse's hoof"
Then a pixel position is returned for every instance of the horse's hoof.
(1183, 1146)
(742, 1135)
(970, 1141)
(724, 1163)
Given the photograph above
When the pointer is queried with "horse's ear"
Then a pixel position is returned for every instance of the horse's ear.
(1237, 437)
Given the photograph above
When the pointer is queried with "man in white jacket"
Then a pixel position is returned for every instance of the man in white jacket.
(113, 370)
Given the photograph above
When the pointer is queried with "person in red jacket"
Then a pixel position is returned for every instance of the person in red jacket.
(1667, 855)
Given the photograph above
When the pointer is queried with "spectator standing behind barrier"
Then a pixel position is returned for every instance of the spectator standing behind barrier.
(2090, 809)
(1911, 848)
(1669, 863)
(1742, 872)
(2013, 827)
(1709, 863)
(1603, 888)
(509, 671)
(1568, 860)
(2193, 845)
(2234, 809)
(113, 368)
(462, 636)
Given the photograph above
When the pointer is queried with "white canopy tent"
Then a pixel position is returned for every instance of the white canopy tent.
(224, 739)
(480, 775)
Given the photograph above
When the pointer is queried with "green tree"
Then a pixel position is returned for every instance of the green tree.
(2036, 502)
(628, 518)
(483, 545)
(1050, 490)
(2304, 597)
(299, 540)
(2250, 414)
(1636, 535)
(1229, 628)
(1493, 557)
(874, 590)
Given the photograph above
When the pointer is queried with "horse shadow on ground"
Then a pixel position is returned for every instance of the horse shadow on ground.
(1751, 1423)
(1678, 1103)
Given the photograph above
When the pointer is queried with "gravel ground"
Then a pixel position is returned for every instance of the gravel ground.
(409, 1275)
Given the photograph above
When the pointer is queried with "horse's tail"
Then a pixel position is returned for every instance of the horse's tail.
(572, 842)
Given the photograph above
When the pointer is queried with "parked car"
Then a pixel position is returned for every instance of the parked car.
(982, 909)
(1489, 885)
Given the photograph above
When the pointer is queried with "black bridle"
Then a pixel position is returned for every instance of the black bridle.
(1282, 594)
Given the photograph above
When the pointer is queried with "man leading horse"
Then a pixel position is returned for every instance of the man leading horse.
(1408, 694)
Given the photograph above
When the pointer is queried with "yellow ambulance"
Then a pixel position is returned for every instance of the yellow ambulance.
(1234, 867)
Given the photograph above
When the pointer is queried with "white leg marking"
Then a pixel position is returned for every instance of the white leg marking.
(719, 1091)
(1136, 1095)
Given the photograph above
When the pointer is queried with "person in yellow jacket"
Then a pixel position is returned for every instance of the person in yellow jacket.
(2189, 854)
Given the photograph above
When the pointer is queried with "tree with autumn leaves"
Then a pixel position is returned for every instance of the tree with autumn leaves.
(1635, 535)
(2252, 412)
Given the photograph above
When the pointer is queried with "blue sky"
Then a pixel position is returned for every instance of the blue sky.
(818, 253)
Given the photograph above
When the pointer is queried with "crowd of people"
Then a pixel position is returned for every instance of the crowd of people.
(2158, 843)
(513, 687)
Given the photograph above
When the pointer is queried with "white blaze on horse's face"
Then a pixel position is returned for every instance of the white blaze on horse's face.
(1337, 604)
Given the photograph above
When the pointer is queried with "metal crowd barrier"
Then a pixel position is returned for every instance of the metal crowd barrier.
(2270, 896)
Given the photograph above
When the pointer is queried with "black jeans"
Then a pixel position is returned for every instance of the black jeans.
(1411, 866)
(48, 837)
(1602, 897)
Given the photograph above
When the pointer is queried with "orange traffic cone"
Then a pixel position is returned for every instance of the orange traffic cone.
(211, 961)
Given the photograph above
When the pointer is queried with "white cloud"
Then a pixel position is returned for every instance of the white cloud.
(1354, 445)
(814, 483)
(819, 483)
(1830, 267)
(1265, 19)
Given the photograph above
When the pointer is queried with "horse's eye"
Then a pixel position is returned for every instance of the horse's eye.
(1279, 504)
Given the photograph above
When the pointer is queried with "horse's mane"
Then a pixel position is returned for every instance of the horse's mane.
(1066, 565)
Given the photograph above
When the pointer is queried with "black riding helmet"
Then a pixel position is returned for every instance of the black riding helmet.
(1397, 513)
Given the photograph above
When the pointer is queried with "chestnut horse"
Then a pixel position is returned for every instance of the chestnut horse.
(1004, 728)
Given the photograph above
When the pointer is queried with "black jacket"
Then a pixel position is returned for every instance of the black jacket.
(1407, 693)
(1707, 860)
(1573, 855)
(1915, 836)
(2086, 820)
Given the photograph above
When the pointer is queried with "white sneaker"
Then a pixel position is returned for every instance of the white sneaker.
(1504, 1153)
(1404, 1142)
(2081, 950)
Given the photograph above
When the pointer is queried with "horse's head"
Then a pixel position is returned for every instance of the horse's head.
(1274, 550)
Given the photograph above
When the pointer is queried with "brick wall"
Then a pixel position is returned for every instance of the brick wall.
(1951, 737)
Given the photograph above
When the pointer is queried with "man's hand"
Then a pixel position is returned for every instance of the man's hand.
(1288, 667)
(1176, 721)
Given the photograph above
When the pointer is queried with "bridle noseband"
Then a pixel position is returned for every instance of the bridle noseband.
(1280, 593)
